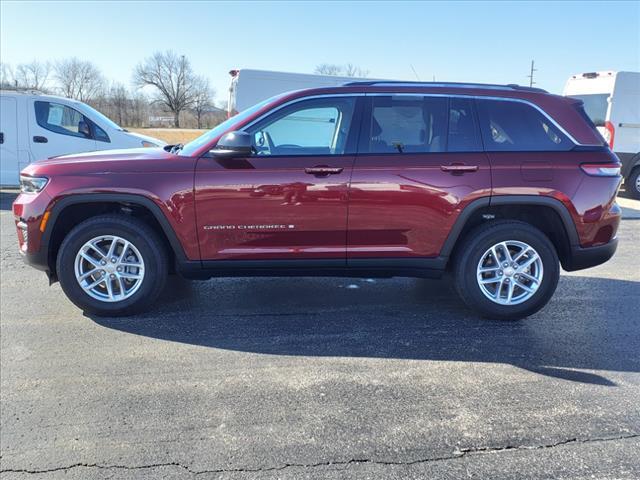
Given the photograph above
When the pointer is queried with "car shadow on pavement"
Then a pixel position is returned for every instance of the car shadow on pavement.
(583, 328)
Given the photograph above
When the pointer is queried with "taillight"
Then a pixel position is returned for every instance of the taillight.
(601, 169)
(609, 133)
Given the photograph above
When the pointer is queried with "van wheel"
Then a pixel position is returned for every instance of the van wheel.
(112, 265)
(632, 184)
(506, 270)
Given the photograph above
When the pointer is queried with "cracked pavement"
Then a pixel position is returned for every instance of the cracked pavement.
(265, 378)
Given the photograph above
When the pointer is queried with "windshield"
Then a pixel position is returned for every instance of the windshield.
(596, 106)
(103, 118)
(194, 145)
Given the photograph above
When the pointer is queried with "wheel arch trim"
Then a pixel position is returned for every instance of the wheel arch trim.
(499, 200)
(74, 199)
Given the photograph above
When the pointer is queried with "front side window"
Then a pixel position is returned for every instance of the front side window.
(309, 127)
(62, 119)
(516, 127)
(406, 124)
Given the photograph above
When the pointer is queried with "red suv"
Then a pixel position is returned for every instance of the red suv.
(498, 184)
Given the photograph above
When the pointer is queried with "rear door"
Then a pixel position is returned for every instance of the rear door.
(56, 129)
(420, 162)
(287, 201)
(527, 151)
(9, 166)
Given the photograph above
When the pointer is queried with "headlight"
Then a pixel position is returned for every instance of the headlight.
(148, 144)
(32, 184)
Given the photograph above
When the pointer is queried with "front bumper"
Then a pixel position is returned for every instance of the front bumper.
(581, 258)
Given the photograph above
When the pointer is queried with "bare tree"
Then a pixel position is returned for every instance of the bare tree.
(202, 98)
(79, 79)
(119, 100)
(348, 70)
(351, 70)
(172, 77)
(33, 75)
(328, 69)
(7, 78)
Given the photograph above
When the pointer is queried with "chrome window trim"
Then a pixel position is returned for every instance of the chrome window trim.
(418, 94)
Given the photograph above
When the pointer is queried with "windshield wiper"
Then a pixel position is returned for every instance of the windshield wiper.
(176, 148)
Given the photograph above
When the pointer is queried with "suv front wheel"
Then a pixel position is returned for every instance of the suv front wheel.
(112, 265)
(506, 270)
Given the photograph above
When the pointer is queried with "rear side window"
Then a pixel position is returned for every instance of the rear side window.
(509, 126)
(411, 124)
(463, 129)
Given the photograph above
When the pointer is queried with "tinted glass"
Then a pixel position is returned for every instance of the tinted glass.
(100, 134)
(463, 129)
(410, 124)
(310, 127)
(516, 126)
(596, 106)
(59, 118)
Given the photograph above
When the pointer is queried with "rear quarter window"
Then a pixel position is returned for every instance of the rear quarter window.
(512, 126)
(596, 106)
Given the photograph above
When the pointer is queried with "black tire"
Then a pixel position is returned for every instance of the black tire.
(141, 236)
(631, 184)
(477, 242)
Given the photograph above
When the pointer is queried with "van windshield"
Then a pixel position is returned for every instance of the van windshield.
(102, 118)
(596, 106)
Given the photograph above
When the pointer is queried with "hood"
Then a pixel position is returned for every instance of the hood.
(147, 138)
(132, 160)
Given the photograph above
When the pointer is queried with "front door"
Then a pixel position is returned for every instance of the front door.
(420, 162)
(289, 199)
(58, 129)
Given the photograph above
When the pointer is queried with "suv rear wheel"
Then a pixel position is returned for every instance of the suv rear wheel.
(112, 265)
(506, 270)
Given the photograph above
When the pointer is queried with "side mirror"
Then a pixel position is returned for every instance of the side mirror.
(234, 144)
(83, 128)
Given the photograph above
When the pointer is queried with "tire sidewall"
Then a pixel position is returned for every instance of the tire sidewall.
(66, 267)
(633, 190)
(476, 249)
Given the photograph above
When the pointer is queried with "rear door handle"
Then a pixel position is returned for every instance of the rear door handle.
(323, 171)
(459, 169)
(38, 139)
(1, 137)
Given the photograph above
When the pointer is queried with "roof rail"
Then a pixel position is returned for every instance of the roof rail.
(489, 86)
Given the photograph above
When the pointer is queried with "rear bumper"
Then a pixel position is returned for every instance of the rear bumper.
(581, 258)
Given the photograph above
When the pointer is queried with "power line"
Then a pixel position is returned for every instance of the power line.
(530, 76)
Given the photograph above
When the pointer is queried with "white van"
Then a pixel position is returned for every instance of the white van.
(612, 101)
(35, 126)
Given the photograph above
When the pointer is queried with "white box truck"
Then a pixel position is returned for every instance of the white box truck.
(34, 126)
(249, 87)
(612, 101)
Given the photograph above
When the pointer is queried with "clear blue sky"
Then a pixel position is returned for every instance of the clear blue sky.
(455, 41)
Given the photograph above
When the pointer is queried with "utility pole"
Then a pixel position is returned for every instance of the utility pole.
(530, 76)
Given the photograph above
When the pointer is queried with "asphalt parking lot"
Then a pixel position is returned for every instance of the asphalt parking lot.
(322, 379)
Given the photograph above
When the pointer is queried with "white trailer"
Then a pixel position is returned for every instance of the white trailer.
(612, 101)
(249, 87)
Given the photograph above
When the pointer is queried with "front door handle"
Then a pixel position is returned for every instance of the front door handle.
(323, 170)
(38, 139)
(458, 168)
